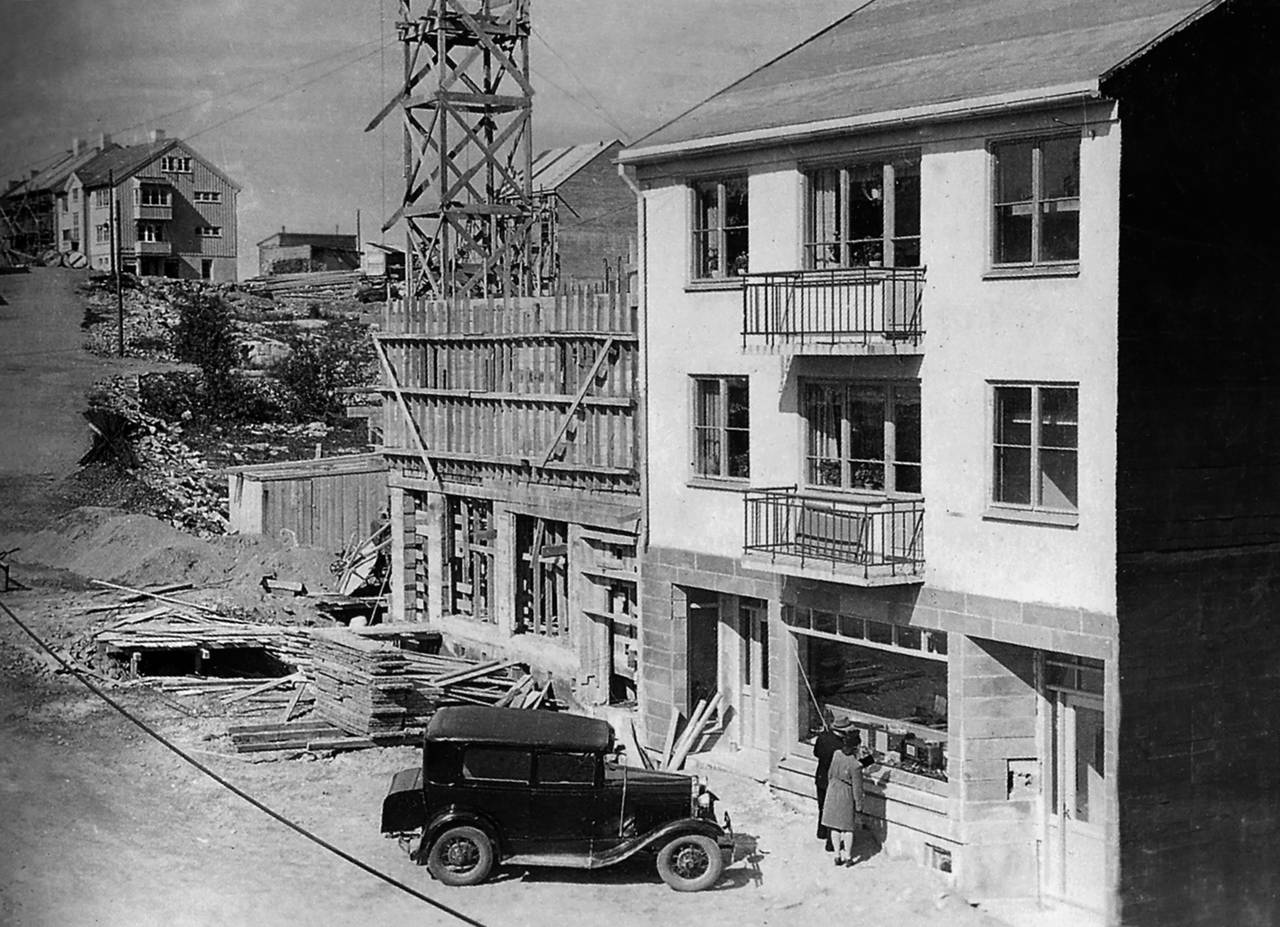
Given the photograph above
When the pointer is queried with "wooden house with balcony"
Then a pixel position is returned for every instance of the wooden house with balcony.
(155, 209)
(956, 428)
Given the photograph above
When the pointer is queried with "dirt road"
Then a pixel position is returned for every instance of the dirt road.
(44, 374)
(100, 825)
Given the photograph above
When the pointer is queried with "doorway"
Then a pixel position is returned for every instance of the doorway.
(752, 703)
(703, 647)
(1077, 802)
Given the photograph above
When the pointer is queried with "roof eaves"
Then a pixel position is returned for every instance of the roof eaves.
(951, 109)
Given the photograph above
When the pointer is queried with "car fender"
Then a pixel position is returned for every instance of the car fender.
(458, 816)
(656, 838)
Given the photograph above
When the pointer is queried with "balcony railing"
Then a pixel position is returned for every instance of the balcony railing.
(154, 247)
(847, 309)
(152, 212)
(869, 543)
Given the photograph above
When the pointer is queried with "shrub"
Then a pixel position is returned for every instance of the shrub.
(205, 336)
(321, 364)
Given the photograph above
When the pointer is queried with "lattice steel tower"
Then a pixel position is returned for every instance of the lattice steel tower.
(467, 103)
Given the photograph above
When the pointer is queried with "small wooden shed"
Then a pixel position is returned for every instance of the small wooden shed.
(329, 502)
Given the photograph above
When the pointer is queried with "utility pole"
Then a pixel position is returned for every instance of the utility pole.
(116, 258)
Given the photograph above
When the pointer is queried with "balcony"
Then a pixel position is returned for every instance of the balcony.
(154, 247)
(821, 536)
(855, 310)
(161, 213)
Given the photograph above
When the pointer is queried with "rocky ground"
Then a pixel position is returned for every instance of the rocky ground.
(101, 824)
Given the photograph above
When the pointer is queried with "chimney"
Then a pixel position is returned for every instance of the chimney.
(77, 145)
(157, 135)
(103, 141)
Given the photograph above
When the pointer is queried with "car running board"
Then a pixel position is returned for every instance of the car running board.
(566, 860)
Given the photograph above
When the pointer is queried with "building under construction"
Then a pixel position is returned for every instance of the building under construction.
(511, 423)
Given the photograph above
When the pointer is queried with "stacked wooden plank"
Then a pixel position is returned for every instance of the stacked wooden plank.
(363, 687)
(295, 735)
(171, 624)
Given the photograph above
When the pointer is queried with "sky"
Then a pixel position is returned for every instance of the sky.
(277, 93)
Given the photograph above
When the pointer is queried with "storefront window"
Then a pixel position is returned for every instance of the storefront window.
(890, 680)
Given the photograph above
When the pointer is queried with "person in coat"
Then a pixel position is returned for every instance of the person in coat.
(843, 802)
(825, 746)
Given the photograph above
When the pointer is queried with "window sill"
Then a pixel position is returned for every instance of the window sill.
(720, 484)
(1032, 517)
(1019, 271)
(857, 494)
(714, 283)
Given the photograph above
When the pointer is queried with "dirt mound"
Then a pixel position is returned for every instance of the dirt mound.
(103, 543)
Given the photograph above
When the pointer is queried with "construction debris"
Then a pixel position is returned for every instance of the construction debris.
(369, 686)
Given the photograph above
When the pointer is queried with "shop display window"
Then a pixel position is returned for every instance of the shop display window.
(890, 680)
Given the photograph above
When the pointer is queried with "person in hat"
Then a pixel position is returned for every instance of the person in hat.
(825, 744)
(843, 801)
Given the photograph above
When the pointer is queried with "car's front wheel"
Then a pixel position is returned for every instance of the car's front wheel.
(690, 863)
(461, 856)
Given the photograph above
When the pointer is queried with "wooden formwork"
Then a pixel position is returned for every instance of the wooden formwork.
(512, 432)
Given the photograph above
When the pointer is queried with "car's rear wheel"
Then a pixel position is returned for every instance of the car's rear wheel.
(461, 856)
(690, 863)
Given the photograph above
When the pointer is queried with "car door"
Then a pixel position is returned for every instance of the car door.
(564, 800)
(495, 782)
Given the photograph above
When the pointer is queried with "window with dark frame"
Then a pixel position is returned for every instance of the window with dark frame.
(566, 768)
(720, 228)
(1037, 202)
(155, 196)
(862, 435)
(721, 427)
(864, 214)
(1035, 447)
(500, 764)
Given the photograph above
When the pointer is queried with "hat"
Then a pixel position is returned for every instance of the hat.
(842, 724)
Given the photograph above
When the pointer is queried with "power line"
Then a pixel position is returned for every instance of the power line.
(284, 93)
(230, 93)
(231, 787)
(626, 136)
(570, 97)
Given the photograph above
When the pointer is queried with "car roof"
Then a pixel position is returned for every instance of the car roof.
(520, 728)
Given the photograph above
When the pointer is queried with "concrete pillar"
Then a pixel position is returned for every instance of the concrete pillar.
(398, 576)
(502, 583)
(433, 534)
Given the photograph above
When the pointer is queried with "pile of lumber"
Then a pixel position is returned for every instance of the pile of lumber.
(173, 624)
(367, 686)
(317, 285)
(284, 696)
(362, 685)
(296, 735)
(680, 743)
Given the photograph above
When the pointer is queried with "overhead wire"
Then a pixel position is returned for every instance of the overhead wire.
(603, 110)
(284, 93)
(222, 96)
(230, 786)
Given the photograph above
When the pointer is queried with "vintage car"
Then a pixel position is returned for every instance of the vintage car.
(540, 788)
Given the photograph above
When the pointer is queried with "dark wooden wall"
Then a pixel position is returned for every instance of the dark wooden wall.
(604, 228)
(1198, 475)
